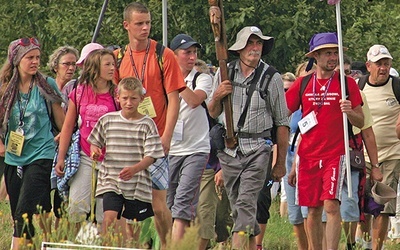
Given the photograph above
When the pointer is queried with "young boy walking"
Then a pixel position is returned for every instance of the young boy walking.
(133, 144)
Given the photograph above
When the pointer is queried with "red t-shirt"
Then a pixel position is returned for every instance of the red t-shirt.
(173, 78)
(326, 139)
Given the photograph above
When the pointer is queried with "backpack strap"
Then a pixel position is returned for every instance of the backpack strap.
(396, 87)
(211, 121)
(231, 71)
(269, 73)
(54, 129)
(252, 87)
(120, 55)
(160, 58)
(362, 81)
(194, 87)
(159, 54)
(303, 85)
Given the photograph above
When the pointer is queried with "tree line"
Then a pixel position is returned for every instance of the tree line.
(291, 22)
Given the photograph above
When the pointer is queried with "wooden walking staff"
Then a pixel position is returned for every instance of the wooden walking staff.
(218, 26)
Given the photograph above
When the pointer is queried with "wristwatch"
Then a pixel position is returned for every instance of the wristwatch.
(378, 165)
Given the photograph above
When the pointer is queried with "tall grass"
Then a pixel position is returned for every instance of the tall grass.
(279, 234)
(6, 226)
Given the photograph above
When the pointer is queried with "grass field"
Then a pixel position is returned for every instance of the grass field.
(279, 234)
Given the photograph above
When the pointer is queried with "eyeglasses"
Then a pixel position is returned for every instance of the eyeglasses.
(69, 64)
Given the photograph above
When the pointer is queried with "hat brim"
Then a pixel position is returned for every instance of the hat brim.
(86, 50)
(382, 56)
(239, 45)
(324, 46)
(188, 45)
(382, 193)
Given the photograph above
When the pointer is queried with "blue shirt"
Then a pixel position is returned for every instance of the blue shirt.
(39, 141)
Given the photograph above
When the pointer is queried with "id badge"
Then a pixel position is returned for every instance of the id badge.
(308, 122)
(15, 143)
(178, 131)
(147, 108)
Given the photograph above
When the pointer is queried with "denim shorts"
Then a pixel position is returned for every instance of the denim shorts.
(294, 211)
(349, 206)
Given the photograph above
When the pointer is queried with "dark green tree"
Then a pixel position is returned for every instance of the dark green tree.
(290, 22)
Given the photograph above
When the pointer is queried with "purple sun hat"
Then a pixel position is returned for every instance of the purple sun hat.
(323, 41)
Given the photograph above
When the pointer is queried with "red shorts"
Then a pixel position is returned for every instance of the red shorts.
(319, 180)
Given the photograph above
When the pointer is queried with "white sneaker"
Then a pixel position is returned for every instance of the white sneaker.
(366, 244)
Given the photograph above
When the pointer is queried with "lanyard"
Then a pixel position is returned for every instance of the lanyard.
(144, 62)
(326, 90)
(22, 110)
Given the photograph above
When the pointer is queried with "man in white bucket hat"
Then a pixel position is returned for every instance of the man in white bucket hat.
(245, 168)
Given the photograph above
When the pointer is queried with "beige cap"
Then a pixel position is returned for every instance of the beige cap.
(378, 52)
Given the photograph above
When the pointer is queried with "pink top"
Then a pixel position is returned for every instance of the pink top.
(91, 107)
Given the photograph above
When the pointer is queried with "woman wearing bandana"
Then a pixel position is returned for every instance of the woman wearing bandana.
(27, 141)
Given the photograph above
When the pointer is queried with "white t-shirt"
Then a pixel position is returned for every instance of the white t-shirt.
(195, 137)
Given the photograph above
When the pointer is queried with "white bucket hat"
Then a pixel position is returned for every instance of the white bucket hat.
(382, 193)
(243, 36)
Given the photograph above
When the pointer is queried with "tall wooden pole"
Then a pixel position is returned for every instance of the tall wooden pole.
(218, 26)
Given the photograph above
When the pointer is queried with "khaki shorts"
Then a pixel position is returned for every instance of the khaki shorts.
(207, 206)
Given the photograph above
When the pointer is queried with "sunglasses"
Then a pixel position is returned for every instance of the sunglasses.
(25, 41)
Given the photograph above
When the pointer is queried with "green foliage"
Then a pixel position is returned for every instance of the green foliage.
(290, 22)
(279, 234)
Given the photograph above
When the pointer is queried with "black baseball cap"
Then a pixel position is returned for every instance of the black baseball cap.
(183, 41)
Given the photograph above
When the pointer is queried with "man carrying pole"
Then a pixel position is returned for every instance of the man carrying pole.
(258, 103)
(321, 165)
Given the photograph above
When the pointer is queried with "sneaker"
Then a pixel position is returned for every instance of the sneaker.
(367, 245)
